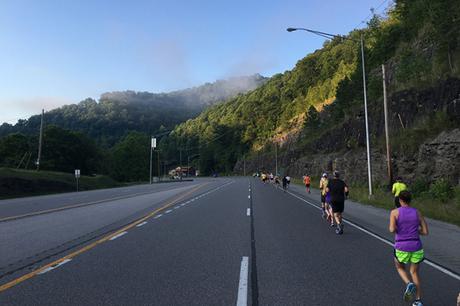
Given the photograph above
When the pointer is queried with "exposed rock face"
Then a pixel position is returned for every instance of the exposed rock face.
(438, 158)
(343, 147)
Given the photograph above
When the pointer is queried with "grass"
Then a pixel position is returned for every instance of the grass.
(447, 211)
(20, 183)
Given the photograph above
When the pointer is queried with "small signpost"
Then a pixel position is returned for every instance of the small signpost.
(77, 176)
(153, 145)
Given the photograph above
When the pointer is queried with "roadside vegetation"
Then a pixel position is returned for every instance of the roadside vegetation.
(20, 183)
(438, 200)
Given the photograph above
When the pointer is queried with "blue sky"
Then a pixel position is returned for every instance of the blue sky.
(62, 51)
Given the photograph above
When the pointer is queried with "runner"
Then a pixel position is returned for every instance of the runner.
(271, 177)
(307, 182)
(322, 187)
(285, 183)
(408, 224)
(277, 181)
(398, 186)
(264, 177)
(329, 212)
(288, 180)
(338, 192)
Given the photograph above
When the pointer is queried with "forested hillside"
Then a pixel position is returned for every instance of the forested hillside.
(318, 106)
(110, 136)
(117, 113)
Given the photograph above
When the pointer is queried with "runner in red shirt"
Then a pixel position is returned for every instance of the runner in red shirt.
(307, 182)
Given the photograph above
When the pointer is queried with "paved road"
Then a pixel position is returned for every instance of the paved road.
(195, 250)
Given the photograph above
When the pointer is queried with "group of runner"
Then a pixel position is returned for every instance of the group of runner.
(334, 191)
(406, 222)
(275, 179)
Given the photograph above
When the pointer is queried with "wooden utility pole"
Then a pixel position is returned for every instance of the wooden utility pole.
(40, 140)
(387, 137)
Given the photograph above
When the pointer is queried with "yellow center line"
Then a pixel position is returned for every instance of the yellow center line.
(94, 244)
(46, 211)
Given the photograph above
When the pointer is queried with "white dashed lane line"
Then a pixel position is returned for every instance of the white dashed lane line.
(118, 236)
(141, 224)
(248, 212)
(55, 267)
(242, 299)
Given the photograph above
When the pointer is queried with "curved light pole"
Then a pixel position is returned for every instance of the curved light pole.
(329, 36)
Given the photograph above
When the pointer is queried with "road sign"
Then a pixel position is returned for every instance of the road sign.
(77, 173)
(154, 142)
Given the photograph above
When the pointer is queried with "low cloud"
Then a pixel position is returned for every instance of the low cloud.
(15, 109)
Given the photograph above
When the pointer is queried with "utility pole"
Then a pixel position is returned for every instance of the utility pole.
(387, 137)
(369, 170)
(276, 159)
(40, 142)
(180, 162)
(158, 151)
(361, 41)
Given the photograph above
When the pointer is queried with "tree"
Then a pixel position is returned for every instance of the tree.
(130, 158)
(13, 147)
(65, 150)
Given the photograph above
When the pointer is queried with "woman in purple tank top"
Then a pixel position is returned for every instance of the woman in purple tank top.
(408, 224)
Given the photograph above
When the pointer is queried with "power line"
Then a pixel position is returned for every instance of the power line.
(373, 12)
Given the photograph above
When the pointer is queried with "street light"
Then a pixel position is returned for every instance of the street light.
(329, 36)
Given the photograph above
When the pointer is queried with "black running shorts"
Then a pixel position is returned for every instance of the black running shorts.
(397, 205)
(338, 206)
(323, 198)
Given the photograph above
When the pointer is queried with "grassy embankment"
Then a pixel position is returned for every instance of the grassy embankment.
(438, 201)
(20, 183)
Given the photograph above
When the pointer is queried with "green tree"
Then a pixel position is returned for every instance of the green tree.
(130, 158)
(12, 149)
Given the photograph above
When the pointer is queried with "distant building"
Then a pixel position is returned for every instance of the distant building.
(183, 172)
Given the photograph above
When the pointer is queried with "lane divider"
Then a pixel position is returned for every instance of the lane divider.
(242, 299)
(55, 266)
(431, 263)
(248, 212)
(118, 236)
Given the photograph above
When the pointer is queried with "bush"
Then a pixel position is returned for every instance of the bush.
(420, 187)
(442, 190)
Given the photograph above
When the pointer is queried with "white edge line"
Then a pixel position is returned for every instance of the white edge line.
(243, 284)
(426, 261)
(248, 212)
(118, 236)
(141, 224)
(55, 267)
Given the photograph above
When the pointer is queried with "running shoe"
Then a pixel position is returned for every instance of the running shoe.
(417, 303)
(332, 224)
(409, 292)
(339, 230)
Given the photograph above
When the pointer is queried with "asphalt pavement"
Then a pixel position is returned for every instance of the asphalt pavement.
(191, 244)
